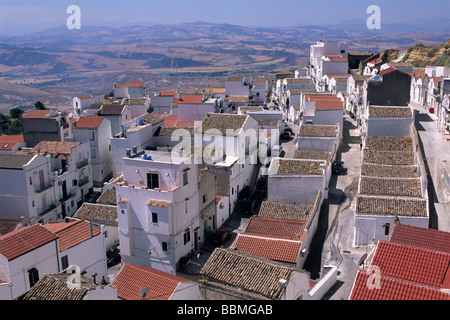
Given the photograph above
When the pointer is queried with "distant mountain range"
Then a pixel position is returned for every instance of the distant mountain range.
(61, 63)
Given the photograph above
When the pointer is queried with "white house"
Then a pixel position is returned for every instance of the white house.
(97, 131)
(161, 102)
(195, 107)
(80, 244)
(25, 255)
(137, 134)
(296, 181)
(238, 86)
(137, 107)
(260, 89)
(50, 181)
(81, 103)
(158, 211)
(133, 90)
(392, 187)
(117, 113)
(387, 121)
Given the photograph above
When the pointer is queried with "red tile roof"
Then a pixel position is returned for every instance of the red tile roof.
(132, 278)
(132, 84)
(24, 240)
(413, 264)
(329, 105)
(172, 121)
(292, 229)
(337, 58)
(89, 122)
(392, 289)
(421, 237)
(167, 93)
(189, 99)
(35, 114)
(274, 248)
(16, 138)
(72, 233)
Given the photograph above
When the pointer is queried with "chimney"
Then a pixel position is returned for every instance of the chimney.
(128, 152)
(134, 150)
(93, 277)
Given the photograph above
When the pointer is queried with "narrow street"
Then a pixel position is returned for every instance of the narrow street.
(436, 151)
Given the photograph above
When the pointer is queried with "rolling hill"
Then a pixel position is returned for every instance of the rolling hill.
(64, 63)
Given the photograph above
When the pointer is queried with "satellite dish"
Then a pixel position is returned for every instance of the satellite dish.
(143, 292)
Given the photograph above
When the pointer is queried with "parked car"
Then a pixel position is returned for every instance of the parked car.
(220, 237)
(249, 206)
(337, 167)
(286, 135)
(92, 197)
(113, 256)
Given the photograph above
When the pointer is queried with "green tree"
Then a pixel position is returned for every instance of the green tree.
(40, 106)
(4, 123)
(16, 113)
(15, 127)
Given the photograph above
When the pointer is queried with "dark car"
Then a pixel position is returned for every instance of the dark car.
(289, 129)
(113, 256)
(337, 167)
(220, 237)
(249, 206)
(92, 197)
(286, 135)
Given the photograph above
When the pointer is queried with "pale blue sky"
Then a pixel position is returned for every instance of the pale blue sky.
(21, 16)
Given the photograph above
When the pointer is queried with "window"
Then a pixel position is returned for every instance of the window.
(205, 197)
(92, 136)
(152, 180)
(93, 154)
(74, 182)
(154, 217)
(342, 51)
(31, 181)
(64, 262)
(187, 236)
(164, 246)
(185, 178)
(386, 229)
(33, 276)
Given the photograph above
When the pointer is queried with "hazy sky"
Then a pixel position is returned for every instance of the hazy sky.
(22, 16)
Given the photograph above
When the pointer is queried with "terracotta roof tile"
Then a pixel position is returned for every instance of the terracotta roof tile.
(373, 205)
(392, 289)
(132, 84)
(292, 229)
(54, 147)
(55, 287)
(388, 171)
(97, 212)
(72, 233)
(390, 112)
(391, 186)
(237, 270)
(270, 209)
(89, 122)
(416, 265)
(314, 130)
(132, 278)
(24, 240)
(35, 114)
(273, 248)
(421, 237)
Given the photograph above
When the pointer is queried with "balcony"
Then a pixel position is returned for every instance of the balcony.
(82, 163)
(43, 211)
(41, 188)
(82, 181)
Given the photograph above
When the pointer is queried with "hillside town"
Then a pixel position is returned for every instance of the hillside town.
(328, 182)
